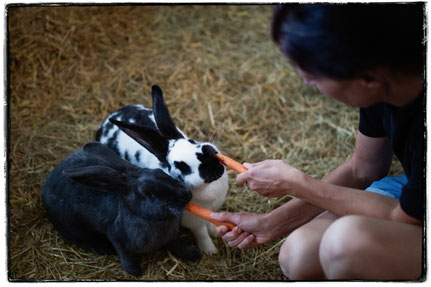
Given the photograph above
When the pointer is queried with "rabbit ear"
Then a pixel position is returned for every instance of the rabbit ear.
(106, 155)
(99, 177)
(149, 138)
(161, 114)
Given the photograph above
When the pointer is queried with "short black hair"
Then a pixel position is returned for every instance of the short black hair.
(345, 40)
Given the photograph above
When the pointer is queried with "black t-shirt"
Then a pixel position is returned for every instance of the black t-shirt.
(405, 128)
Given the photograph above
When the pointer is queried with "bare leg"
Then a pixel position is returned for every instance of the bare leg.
(299, 254)
(359, 247)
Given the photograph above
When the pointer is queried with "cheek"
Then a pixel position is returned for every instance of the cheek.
(193, 180)
(176, 174)
(340, 92)
(329, 90)
(364, 100)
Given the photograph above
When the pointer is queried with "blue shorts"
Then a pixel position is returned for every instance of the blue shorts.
(390, 186)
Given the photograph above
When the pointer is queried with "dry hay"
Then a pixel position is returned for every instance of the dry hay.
(224, 81)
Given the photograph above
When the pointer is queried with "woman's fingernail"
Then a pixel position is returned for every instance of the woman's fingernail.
(246, 241)
(243, 244)
(223, 229)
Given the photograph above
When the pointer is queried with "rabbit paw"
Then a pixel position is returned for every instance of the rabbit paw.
(212, 230)
(129, 261)
(134, 270)
(207, 247)
(184, 251)
(192, 255)
(131, 266)
(203, 238)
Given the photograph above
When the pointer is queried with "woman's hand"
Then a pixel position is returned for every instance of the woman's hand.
(251, 230)
(271, 178)
(256, 229)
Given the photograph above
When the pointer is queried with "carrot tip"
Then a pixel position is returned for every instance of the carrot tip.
(205, 214)
(230, 163)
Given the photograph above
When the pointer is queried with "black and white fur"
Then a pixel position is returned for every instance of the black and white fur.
(107, 205)
(149, 138)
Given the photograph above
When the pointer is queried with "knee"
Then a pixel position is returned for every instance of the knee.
(341, 246)
(284, 257)
(293, 254)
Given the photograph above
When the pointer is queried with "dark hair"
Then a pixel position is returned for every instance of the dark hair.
(345, 40)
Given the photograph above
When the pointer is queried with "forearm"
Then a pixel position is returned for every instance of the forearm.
(342, 191)
(298, 212)
(345, 175)
(293, 214)
(345, 200)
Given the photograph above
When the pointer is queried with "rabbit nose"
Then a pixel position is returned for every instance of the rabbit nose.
(184, 199)
(188, 196)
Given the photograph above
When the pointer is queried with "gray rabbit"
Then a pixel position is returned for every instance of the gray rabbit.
(107, 205)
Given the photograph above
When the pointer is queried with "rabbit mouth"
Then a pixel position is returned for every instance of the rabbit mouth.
(176, 211)
(211, 171)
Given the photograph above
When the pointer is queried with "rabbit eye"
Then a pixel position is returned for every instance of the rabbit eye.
(183, 167)
(151, 194)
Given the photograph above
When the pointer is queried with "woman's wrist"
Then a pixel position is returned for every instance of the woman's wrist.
(296, 182)
(271, 222)
(286, 218)
(278, 222)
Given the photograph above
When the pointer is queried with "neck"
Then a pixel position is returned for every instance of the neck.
(403, 89)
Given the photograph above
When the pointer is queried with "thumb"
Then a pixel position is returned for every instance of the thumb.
(227, 216)
(220, 216)
(248, 165)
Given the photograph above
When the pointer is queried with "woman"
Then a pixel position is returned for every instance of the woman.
(371, 57)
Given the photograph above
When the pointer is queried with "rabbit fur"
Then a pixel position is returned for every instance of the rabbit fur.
(107, 205)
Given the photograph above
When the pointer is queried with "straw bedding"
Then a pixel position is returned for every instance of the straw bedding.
(224, 81)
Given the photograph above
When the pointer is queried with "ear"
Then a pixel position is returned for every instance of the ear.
(99, 177)
(161, 115)
(147, 137)
(106, 155)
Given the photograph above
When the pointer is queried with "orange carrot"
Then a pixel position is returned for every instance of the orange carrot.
(205, 214)
(230, 163)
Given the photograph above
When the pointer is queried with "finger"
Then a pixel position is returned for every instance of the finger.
(256, 164)
(235, 218)
(232, 235)
(248, 165)
(239, 239)
(242, 178)
(229, 236)
(222, 229)
(220, 216)
(247, 242)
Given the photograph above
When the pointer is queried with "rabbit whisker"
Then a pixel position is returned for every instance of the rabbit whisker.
(214, 133)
